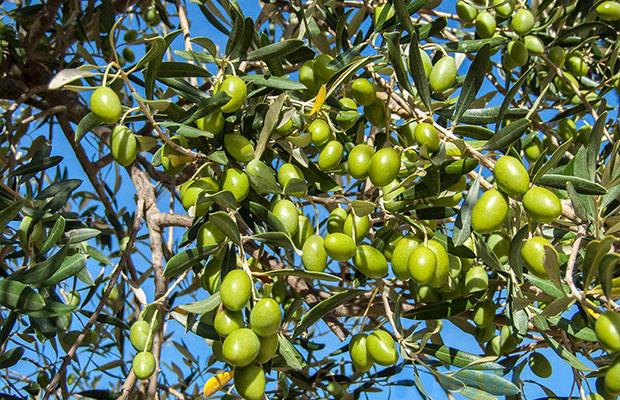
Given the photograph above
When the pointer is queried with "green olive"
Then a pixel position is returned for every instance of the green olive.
(284, 127)
(442, 267)
(268, 348)
(105, 104)
(143, 365)
(443, 74)
(306, 77)
(542, 205)
(216, 350)
(384, 166)
(250, 382)
(190, 193)
(236, 182)
(73, 299)
(304, 231)
(567, 129)
(485, 25)
(288, 172)
(500, 246)
(534, 45)
(565, 84)
(476, 279)
(511, 176)
(465, 11)
(609, 11)
(612, 378)
(427, 64)
(427, 294)
(138, 335)
(339, 246)
(400, 256)
(376, 114)
(533, 149)
(504, 8)
(522, 22)
(130, 35)
(602, 393)
(348, 115)
(286, 212)
(322, 71)
(484, 313)
(517, 52)
(539, 365)
(533, 255)
(265, 317)
(241, 347)
(123, 145)
(314, 256)
(236, 88)
(422, 264)
(320, 131)
(370, 262)
(607, 328)
(361, 226)
(235, 290)
(577, 65)
(382, 348)
(151, 16)
(209, 234)
(485, 333)
(213, 122)
(360, 358)
(335, 221)
(489, 212)
(406, 133)
(226, 321)
(363, 92)
(557, 56)
(239, 147)
(331, 155)
(358, 161)
(172, 159)
(426, 135)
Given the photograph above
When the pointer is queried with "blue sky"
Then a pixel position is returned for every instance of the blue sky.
(559, 382)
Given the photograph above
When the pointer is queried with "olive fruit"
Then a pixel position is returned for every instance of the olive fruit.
(557, 56)
(235, 290)
(382, 348)
(288, 172)
(540, 365)
(489, 212)
(358, 161)
(443, 74)
(384, 166)
(348, 115)
(375, 113)
(151, 16)
(503, 8)
(363, 92)
(322, 71)
(123, 145)
(607, 328)
(265, 317)
(226, 321)
(400, 256)
(241, 347)
(191, 191)
(612, 378)
(138, 335)
(335, 221)
(427, 64)
(533, 149)
(331, 155)
(517, 52)
(130, 35)
(476, 279)
(339, 246)
(319, 131)
(500, 246)
(534, 45)
(533, 255)
(306, 77)
(143, 364)
(172, 159)
(465, 11)
(74, 299)
(422, 264)
(511, 176)
(609, 11)
(236, 182)
(285, 211)
(236, 88)
(105, 104)
(485, 25)
(442, 267)
(239, 147)
(358, 350)
(284, 127)
(370, 262)
(213, 122)
(522, 22)
(268, 348)
(602, 392)
(335, 389)
(358, 225)
(250, 382)
(209, 234)
(542, 205)
(314, 256)
(577, 65)
(426, 135)
(567, 129)
(484, 313)
(304, 231)
(427, 294)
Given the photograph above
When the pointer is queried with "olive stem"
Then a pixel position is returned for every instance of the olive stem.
(388, 310)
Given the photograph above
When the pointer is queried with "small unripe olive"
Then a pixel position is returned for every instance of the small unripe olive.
(361, 226)
(286, 212)
(123, 145)
(542, 205)
(284, 127)
(500, 246)
(609, 11)
(331, 155)
(426, 135)
(358, 161)
(306, 77)
(534, 45)
(241, 347)
(363, 92)
(376, 114)
(358, 350)
(105, 104)
(476, 279)
(348, 115)
(382, 348)
(213, 122)
(442, 267)
(504, 8)
(239, 147)
(540, 365)
(209, 234)
(268, 348)
(577, 65)
(151, 16)
(485, 25)
(304, 231)
(607, 328)
(289, 171)
(138, 335)
(511, 176)
(517, 53)
(320, 131)
(533, 255)
(422, 264)
(265, 317)
(322, 72)
(465, 11)
(235, 290)
(612, 378)
(339, 246)
(489, 212)
(384, 166)
(143, 364)
(533, 149)
(443, 74)
(172, 159)
(427, 294)
(314, 256)
(236, 88)
(226, 321)
(335, 221)
(567, 129)
(400, 256)
(566, 84)
(191, 191)
(250, 382)
(557, 56)
(484, 313)
(522, 22)
(236, 182)
(370, 262)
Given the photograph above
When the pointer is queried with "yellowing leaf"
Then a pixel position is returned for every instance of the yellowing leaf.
(216, 382)
(319, 100)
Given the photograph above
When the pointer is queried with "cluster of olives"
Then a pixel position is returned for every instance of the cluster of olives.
(378, 347)
(141, 338)
(607, 328)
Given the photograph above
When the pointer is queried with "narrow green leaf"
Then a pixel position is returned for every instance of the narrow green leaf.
(69, 267)
(87, 123)
(470, 46)
(459, 358)
(20, 297)
(396, 59)
(227, 225)
(416, 67)
(81, 235)
(8, 214)
(11, 357)
(474, 132)
(324, 307)
(606, 270)
(441, 310)
(473, 81)
(464, 219)
(510, 95)
(186, 130)
(271, 119)
(184, 260)
(514, 258)
(202, 306)
(581, 185)
(566, 354)
(37, 165)
(490, 383)
(68, 75)
(508, 134)
(279, 49)
(290, 354)
(557, 155)
(275, 82)
(322, 276)
(175, 69)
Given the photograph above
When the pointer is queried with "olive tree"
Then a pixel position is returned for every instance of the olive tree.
(307, 199)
